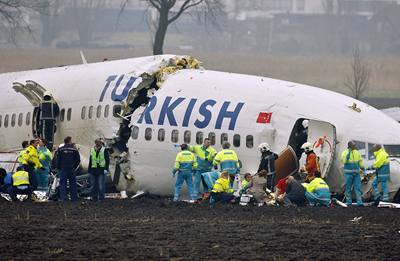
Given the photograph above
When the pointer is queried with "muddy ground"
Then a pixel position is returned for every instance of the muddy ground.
(155, 228)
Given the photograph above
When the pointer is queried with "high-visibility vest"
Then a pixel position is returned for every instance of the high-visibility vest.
(20, 178)
(352, 161)
(98, 160)
(185, 160)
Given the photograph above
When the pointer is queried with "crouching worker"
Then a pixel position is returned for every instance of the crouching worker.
(247, 182)
(185, 166)
(20, 183)
(317, 191)
(221, 190)
(294, 194)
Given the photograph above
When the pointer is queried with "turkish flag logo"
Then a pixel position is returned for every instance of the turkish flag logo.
(264, 117)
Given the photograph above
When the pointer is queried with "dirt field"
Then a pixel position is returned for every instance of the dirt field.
(157, 229)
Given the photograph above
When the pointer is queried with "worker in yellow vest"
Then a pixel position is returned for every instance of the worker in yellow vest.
(20, 184)
(98, 169)
(29, 158)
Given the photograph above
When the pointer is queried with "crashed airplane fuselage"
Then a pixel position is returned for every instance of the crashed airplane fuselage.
(144, 107)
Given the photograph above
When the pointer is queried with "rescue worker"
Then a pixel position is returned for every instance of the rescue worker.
(280, 189)
(267, 163)
(311, 166)
(98, 168)
(29, 158)
(45, 158)
(300, 137)
(246, 183)
(352, 165)
(227, 160)
(382, 169)
(221, 191)
(185, 166)
(317, 191)
(205, 155)
(68, 160)
(209, 179)
(20, 184)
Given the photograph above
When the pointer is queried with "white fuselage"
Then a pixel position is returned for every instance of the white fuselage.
(189, 104)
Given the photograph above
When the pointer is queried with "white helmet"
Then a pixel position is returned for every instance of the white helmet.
(307, 147)
(305, 124)
(263, 147)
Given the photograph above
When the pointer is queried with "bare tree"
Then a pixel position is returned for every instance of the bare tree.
(168, 11)
(358, 78)
(13, 14)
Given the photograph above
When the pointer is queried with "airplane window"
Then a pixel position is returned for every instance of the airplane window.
(370, 152)
(249, 141)
(174, 136)
(106, 110)
(147, 134)
(83, 112)
(211, 136)
(28, 119)
(135, 132)
(224, 137)
(1, 119)
(69, 112)
(20, 119)
(90, 114)
(392, 150)
(13, 118)
(6, 121)
(361, 148)
(161, 135)
(62, 114)
(199, 137)
(116, 110)
(186, 136)
(236, 140)
(98, 111)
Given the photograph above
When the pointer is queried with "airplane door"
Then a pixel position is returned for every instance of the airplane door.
(323, 137)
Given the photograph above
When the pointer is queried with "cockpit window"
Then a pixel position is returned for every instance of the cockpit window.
(361, 148)
(393, 150)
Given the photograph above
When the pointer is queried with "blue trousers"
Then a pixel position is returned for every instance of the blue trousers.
(384, 185)
(197, 182)
(42, 178)
(319, 197)
(353, 179)
(68, 175)
(209, 179)
(184, 176)
(221, 197)
(98, 185)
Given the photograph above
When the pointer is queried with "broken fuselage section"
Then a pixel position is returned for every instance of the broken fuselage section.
(140, 87)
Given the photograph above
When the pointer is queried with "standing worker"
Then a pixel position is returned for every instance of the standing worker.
(185, 166)
(205, 155)
(68, 160)
(267, 163)
(228, 160)
(45, 158)
(311, 166)
(98, 168)
(352, 165)
(29, 158)
(382, 168)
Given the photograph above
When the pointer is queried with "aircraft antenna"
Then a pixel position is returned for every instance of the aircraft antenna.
(84, 61)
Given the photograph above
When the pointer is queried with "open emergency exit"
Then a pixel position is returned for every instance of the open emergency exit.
(323, 137)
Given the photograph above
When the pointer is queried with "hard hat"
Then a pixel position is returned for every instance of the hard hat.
(47, 93)
(305, 124)
(307, 146)
(263, 147)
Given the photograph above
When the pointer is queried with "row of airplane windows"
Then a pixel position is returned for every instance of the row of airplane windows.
(65, 114)
(187, 137)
